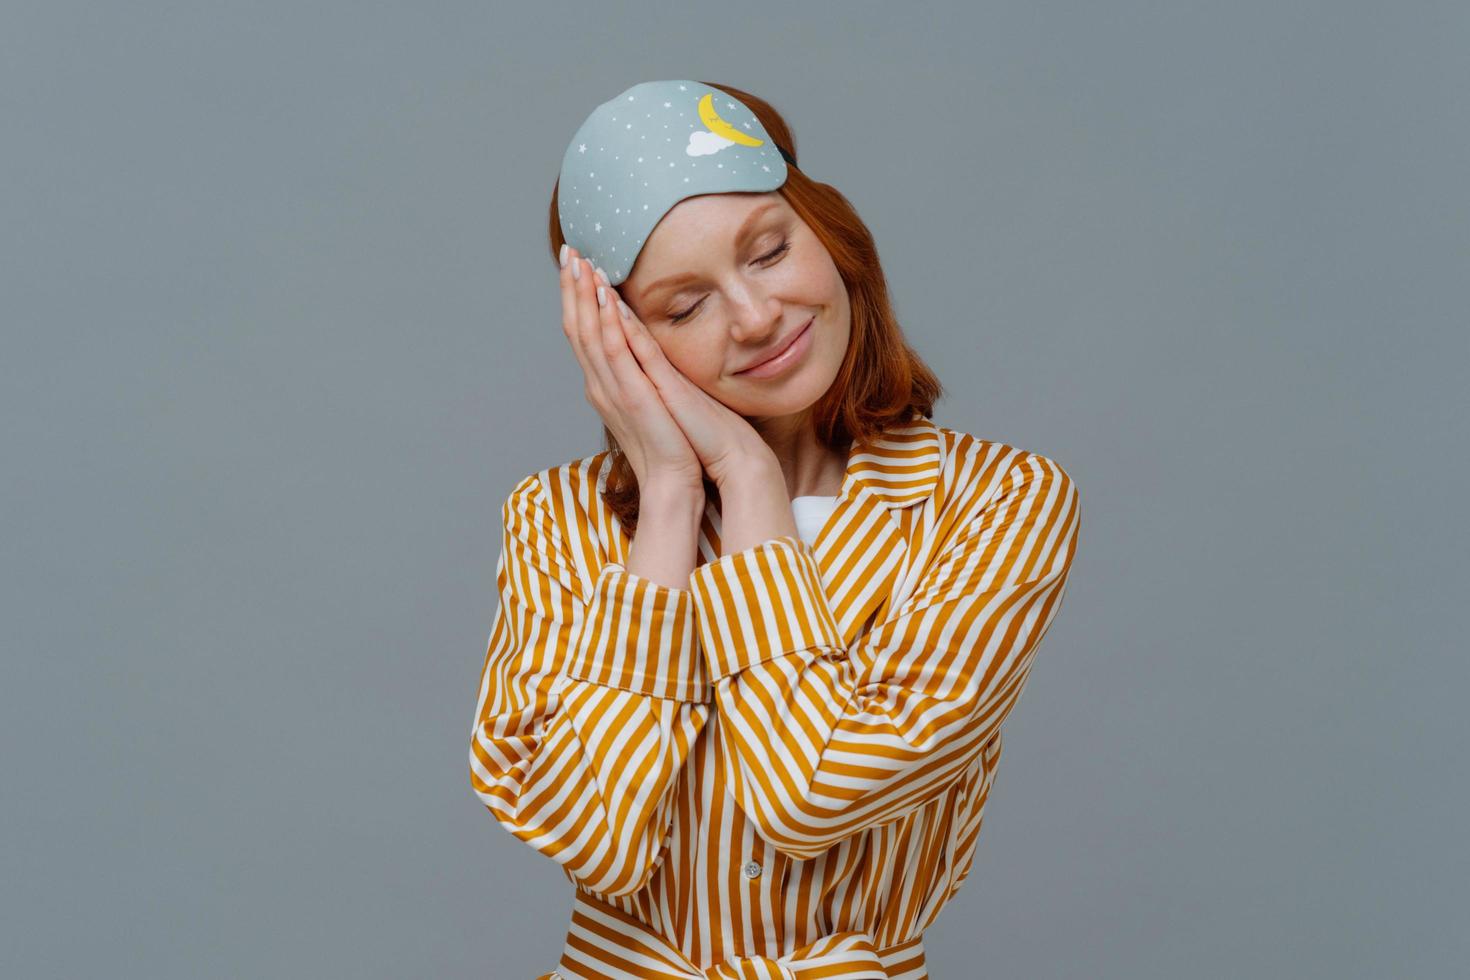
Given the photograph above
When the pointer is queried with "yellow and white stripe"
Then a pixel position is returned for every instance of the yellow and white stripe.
(782, 770)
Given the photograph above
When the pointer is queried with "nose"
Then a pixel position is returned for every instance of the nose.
(755, 318)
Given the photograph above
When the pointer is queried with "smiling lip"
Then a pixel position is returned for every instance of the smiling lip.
(779, 361)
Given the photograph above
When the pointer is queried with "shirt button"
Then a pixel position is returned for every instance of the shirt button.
(752, 869)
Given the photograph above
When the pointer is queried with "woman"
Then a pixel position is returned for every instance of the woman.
(747, 675)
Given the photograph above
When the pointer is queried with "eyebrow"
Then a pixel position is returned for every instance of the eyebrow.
(740, 236)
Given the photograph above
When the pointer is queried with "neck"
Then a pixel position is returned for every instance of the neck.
(809, 467)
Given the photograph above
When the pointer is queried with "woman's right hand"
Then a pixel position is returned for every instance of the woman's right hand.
(616, 385)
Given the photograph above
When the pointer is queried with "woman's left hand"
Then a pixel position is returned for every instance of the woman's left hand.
(725, 443)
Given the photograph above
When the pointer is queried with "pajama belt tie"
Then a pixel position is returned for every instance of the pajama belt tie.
(604, 939)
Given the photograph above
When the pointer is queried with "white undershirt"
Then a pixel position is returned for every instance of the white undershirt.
(811, 513)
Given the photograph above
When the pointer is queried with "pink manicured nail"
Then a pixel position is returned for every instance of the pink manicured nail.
(577, 269)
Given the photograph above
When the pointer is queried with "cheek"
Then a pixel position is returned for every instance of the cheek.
(694, 362)
(834, 342)
(839, 329)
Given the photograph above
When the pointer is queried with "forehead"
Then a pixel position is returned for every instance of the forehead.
(709, 220)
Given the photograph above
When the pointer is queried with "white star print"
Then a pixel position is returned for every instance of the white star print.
(598, 226)
(582, 148)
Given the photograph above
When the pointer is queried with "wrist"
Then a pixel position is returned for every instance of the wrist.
(663, 496)
(665, 546)
(754, 507)
(747, 471)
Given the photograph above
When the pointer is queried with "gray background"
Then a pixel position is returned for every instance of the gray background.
(281, 332)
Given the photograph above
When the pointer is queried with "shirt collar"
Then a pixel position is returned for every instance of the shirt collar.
(900, 467)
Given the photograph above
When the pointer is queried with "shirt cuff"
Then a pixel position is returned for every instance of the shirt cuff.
(640, 636)
(761, 603)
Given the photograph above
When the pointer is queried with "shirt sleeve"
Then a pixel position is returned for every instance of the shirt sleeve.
(591, 696)
(822, 741)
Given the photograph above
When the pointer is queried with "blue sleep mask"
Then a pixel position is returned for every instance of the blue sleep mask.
(639, 154)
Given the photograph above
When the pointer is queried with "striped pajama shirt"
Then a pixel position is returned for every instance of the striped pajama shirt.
(780, 771)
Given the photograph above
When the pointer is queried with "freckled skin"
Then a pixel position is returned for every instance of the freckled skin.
(745, 307)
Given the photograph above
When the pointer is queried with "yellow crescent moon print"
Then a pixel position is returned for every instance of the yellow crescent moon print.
(719, 127)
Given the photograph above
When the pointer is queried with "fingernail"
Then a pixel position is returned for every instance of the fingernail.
(562, 258)
(601, 297)
(603, 276)
(577, 269)
(623, 308)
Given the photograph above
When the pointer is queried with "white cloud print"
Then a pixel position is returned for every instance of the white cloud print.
(702, 143)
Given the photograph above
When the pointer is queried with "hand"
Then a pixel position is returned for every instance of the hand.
(725, 443)
(616, 386)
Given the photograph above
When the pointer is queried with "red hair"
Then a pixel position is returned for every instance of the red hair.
(882, 381)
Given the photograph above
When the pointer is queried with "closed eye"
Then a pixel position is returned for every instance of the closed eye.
(770, 258)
